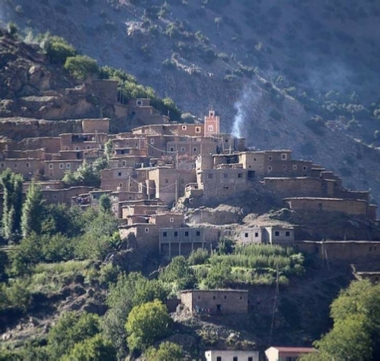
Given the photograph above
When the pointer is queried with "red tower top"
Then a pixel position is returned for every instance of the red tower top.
(212, 124)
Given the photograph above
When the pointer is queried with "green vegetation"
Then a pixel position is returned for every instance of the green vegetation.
(166, 351)
(356, 328)
(146, 324)
(11, 184)
(57, 49)
(81, 66)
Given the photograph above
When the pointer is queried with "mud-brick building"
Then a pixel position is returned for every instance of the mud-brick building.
(216, 302)
(279, 235)
(181, 241)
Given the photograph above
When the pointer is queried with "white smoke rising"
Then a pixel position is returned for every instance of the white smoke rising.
(241, 112)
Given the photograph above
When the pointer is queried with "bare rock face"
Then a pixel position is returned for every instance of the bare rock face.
(221, 215)
(39, 77)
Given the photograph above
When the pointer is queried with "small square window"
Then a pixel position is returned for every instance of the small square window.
(240, 175)
(254, 159)
(287, 234)
(197, 129)
(182, 149)
(294, 166)
(51, 166)
(225, 297)
(270, 158)
(210, 128)
(171, 219)
(256, 234)
(304, 168)
(146, 230)
(172, 149)
(186, 234)
(175, 234)
(269, 168)
(15, 165)
(284, 156)
(246, 235)
(27, 165)
(276, 233)
(2, 165)
(166, 180)
(61, 166)
(198, 234)
(119, 174)
(68, 165)
(164, 234)
(152, 141)
(194, 149)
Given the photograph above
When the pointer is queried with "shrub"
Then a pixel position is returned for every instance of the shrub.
(81, 66)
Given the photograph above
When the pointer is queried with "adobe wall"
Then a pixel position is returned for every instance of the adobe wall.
(348, 206)
(294, 187)
(27, 167)
(95, 125)
(49, 144)
(341, 250)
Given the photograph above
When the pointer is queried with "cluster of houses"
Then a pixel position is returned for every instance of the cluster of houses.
(159, 162)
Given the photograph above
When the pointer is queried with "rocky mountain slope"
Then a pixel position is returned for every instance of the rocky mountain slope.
(299, 75)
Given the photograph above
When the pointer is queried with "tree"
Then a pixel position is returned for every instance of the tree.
(81, 66)
(219, 276)
(57, 49)
(69, 330)
(167, 351)
(12, 204)
(147, 324)
(356, 330)
(32, 211)
(179, 274)
(105, 203)
(129, 291)
(96, 348)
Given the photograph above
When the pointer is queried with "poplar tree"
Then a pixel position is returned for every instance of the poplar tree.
(12, 204)
(32, 211)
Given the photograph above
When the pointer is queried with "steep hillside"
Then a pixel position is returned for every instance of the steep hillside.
(300, 75)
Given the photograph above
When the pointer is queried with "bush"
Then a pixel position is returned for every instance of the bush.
(58, 49)
(147, 324)
(81, 66)
(199, 256)
(167, 351)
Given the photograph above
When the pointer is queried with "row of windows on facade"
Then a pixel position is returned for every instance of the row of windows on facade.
(225, 175)
(214, 297)
(61, 166)
(175, 234)
(276, 233)
(77, 148)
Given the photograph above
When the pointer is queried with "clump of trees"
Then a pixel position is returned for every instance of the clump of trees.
(356, 329)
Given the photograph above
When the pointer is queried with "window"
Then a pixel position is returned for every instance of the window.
(284, 167)
(284, 156)
(198, 234)
(210, 128)
(304, 167)
(171, 219)
(124, 163)
(197, 129)
(139, 103)
(172, 149)
(182, 149)
(254, 159)
(250, 358)
(276, 233)
(88, 147)
(164, 234)
(246, 235)
(184, 127)
(186, 234)
(151, 141)
(27, 165)
(256, 234)
(240, 175)
(146, 230)
(61, 165)
(294, 166)
(2, 165)
(209, 176)
(241, 297)
(225, 297)
(166, 181)
(119, 174)
(270, 158)
(15, 165)
(199, 297)
(287, 234)
(68, 165)
(218, 358)
(212, 114)
(213, 297)
(76, 148)
(51, 166)
(269, 168)
(175, 234)
(235, 358)
(194, 149)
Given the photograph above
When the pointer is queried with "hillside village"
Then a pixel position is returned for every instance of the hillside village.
(179, 187)
(161, 168)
